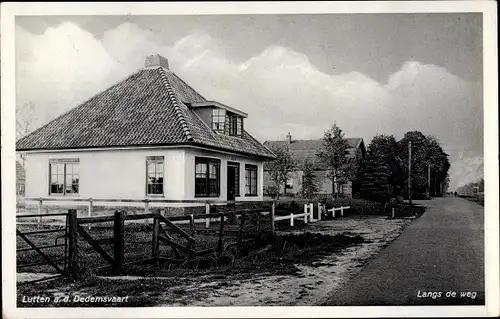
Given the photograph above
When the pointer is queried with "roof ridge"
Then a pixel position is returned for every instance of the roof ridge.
(177, 108)
(313, 139)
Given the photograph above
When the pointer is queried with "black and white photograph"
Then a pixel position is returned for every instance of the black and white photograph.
(274, 156)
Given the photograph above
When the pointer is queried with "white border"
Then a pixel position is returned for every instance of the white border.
(488, 8)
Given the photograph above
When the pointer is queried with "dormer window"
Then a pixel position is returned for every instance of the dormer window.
(227, 122)
(218, 120)
(235, 126)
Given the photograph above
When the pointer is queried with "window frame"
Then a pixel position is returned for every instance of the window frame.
(248, 169)
(219, 122)
(207, 161)
(234, 126)
(155, 160)
(64, 162)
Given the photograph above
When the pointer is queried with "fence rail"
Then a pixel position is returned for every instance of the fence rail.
(48, 259)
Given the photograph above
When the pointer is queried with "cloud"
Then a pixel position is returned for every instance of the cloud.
(280, 88)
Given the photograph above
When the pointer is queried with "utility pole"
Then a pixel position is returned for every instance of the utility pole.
(429, 179)
(409, 172)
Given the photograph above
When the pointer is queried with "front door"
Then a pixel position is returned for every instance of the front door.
(232, 181)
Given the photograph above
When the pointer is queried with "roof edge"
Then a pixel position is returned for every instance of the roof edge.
(111, 147)
(177, 108)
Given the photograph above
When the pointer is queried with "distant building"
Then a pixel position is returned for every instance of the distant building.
(148, 136)
(307, 149)
(20, 179)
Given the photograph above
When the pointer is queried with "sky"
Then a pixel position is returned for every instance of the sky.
(369, 73)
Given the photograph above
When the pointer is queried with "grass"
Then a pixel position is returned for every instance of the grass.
(267, 255)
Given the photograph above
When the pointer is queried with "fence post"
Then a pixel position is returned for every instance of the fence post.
(72, 242)
(273, 207)
(207, 211)
(291, 219)
(393, 212)
(156, 231)
(320, 211)
(220, 246)
(191, 224)
(118, 230)
(146, 206)
(311, 209)
(342, 211)
(240, 234)
(91, 209)
(40, 210)
(305, 213)
(333, 212)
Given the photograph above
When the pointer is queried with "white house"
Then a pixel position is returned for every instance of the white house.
(148, 136)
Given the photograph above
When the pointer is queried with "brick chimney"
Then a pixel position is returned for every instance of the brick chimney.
(289, 138)
(156, 60)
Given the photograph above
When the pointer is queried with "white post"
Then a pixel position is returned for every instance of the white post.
(342, 211)
(311, 209)
(207, 211)
(333, 212)
(393, 212)
(320, 210)
(305, 213)
(272, 217)
(40, 210)
(90, 207)
(90, 211)
(146, 206)
(291, 219)
(40, 206)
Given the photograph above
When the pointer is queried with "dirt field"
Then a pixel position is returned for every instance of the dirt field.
(302, 279)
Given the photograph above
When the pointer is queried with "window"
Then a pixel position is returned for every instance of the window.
(251, 180)
(154, 173)
(218, 120)
(207, 173)
(235, 125)
(239, 126)
(229, 124)
(64, 176)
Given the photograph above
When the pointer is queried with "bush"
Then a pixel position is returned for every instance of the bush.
(270, 191)
(366, 207)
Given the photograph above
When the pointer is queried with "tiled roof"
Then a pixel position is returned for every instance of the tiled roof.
(147, 108)
(307, 149)
(20, 173)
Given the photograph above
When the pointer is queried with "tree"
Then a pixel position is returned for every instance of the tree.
(281, 168)
(334, 155)
(25, 118)
(380, 175)
(426, 152)
(471, 188)
(309, 187)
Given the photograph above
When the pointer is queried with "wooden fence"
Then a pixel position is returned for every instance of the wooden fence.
(165, 231)
(180, 234)
(53, 260)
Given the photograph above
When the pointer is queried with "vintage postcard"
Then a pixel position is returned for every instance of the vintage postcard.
(261, 159)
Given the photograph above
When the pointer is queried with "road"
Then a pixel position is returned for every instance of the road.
(442, 251)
